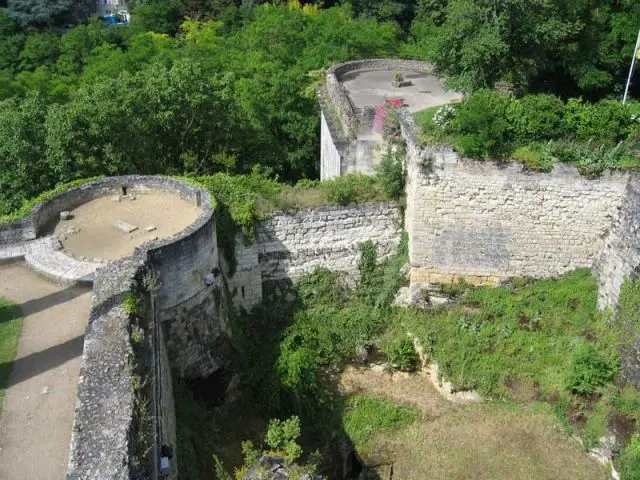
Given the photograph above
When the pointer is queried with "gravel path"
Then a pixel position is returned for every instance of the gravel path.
(37, 415)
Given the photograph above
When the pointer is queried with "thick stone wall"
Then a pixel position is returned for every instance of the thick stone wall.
(486, 221)
(17, 232)
(197, 333)
(105, 399)
(104, 420)
(289, 245)
(292, 244)
(620, 255)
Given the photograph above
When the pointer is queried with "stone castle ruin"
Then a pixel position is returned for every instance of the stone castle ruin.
(483, 221)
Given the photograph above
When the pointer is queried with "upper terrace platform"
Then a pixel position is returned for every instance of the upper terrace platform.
(372, 87)
(353, 110)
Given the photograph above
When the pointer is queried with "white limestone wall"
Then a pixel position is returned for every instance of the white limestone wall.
(329, 155)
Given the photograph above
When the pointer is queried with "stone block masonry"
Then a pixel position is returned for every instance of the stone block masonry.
(485, 221)
(289, 245)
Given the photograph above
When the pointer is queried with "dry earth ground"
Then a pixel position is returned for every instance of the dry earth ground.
(37, 414)
(96, 237)
(472, 441)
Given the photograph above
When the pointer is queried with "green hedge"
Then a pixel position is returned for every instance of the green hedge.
(539, 130)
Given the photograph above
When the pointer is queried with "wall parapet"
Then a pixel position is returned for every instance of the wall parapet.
(104, 415)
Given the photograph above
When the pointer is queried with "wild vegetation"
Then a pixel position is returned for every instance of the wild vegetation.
(223, 93)
(539, 130)
(193, 88)
(539, 347)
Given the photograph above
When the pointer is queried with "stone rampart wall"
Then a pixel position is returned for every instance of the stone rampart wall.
(620, 256)
(486, 221)
(104, 416)
(17, 232)
(289, 245)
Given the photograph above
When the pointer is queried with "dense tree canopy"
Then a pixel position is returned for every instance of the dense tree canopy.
(569, 47)
(233, 85)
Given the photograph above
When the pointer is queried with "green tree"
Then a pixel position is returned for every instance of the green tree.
(566, 47)
(144, 122)
(23, 173)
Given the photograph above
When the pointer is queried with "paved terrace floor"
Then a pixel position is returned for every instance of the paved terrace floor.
(37, 415)
(370, 87)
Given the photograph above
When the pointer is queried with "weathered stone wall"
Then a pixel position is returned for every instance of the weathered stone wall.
(105, 399)
(245, 285)
(486, 221)
(292, 244)
(197, 333)
(289, 245)
(17, 232)
(620, 255)
(104, 416)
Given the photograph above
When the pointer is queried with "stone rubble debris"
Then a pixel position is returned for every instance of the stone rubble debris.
(124, 226)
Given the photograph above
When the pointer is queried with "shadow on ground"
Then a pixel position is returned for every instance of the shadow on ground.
(24, 368)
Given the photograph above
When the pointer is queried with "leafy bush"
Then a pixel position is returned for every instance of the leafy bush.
(591, 158)
(352, 188)
(390, 171)
(481, 126)
(606, 121)
(131, 306)
(402, 354)
(590, 370)
(536, 117)
(283, 435)
(535, 156)
(630, 460)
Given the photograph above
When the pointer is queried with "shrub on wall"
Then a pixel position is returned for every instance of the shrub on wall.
(354, 188)
(607, 121)
(536, 117)
(390, 171)
(481, 127)
(540, 131)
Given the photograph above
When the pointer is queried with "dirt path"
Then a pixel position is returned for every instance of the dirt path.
(37, 415)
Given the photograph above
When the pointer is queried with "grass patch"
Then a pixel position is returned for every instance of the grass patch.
(499, 339)
(431, 131)
(485, 442)
(365, 415)
(10, 328)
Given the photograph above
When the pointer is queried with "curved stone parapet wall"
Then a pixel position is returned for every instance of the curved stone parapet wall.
(104, 414)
